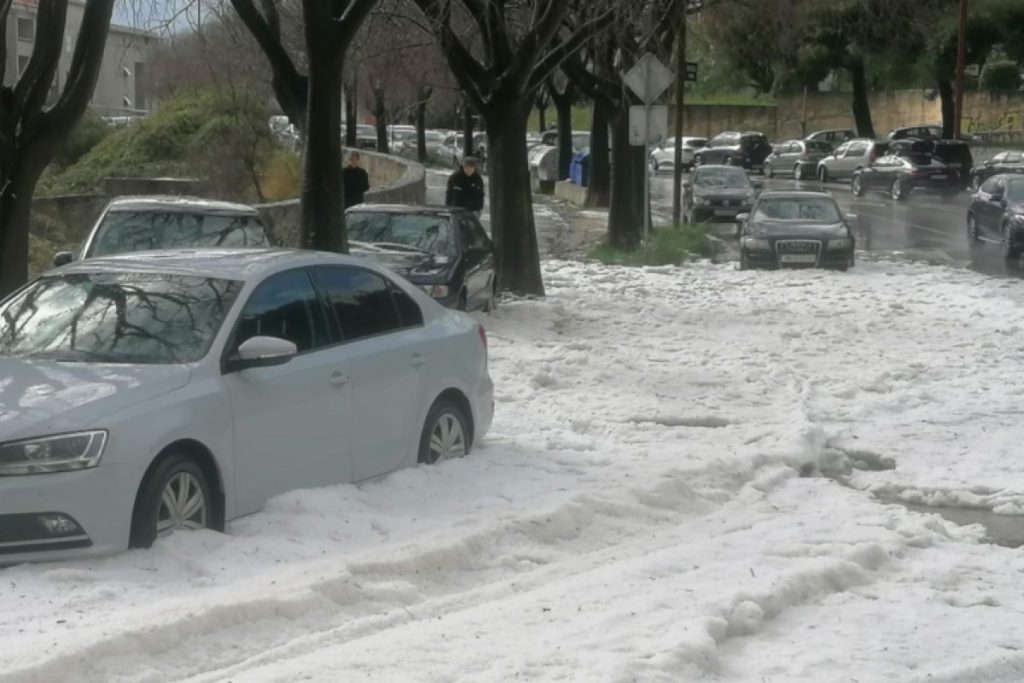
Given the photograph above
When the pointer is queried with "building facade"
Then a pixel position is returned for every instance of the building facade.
(121, 89)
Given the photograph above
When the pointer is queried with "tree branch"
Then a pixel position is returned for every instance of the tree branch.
(85, 65)
(557, 56)
(34, 84)
(351, 20)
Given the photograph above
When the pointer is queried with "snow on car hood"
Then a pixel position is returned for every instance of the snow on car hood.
(798, 229)
(403, 262)
(39, 398)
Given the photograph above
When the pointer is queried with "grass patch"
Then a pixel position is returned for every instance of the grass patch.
(667, 246)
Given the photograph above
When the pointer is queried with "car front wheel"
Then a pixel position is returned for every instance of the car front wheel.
(175, 496)
(972, 231)
(1011, 252)
(897, 191)
(445, 433)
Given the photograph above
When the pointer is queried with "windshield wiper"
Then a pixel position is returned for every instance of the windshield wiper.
(398, 246)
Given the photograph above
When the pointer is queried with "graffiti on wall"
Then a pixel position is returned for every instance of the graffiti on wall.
(1012, 120)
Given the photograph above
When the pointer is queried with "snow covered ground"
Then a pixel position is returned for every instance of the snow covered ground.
(651, 505)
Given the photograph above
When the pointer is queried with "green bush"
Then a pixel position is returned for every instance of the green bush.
(1001, 76)
(90, 131)
(667, 246)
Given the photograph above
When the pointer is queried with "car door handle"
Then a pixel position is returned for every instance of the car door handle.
(417, 360)
(338, 379)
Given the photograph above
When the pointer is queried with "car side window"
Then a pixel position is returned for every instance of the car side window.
(1014, 157)
(409, 311)
(856, 149)
(361, 300)
(989, 186)
(1001, 157)
(841, 150)
(285, 306)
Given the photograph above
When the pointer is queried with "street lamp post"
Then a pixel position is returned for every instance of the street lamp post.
(961, 54)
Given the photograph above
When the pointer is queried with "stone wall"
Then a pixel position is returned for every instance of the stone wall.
(393, 180)
(984, 113)
(67, 219)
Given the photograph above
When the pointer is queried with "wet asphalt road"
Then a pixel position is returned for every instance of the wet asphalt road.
(924, 227)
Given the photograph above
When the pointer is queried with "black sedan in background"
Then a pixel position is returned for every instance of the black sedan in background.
(748, 150)
(444, 250)
(996, 214)
(1011, 161)
(717, 193)
(898, 176)
(795, 230)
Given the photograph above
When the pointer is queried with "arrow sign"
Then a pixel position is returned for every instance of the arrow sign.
(648, 78)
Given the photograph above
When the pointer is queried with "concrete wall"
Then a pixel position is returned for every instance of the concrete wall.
(393, 180)
(991, 114)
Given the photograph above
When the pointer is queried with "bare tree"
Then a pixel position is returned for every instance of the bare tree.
(516, 54)
(30, 130)
(329, 28)
(563, 98)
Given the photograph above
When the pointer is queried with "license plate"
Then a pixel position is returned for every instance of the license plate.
(726, 212)
(939, 176)
(798, 258)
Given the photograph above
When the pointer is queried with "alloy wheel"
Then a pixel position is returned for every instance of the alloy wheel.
(972, 230)
(897, 189)
(447, 439)
(182, 505)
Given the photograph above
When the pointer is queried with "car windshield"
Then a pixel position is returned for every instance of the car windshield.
(128, 231)
(731, 178)
(819, 209)
(1015, 189)
(422, 232)
(143, 318)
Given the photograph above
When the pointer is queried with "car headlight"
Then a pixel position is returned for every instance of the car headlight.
(436, 291)
(701, 201)
(62, 453)
(841, 243)
(756, 244)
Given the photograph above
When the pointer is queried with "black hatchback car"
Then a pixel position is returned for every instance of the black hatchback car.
(748, 150)
(1010, 161)
(444, 250)
(795, 230)
(898, 176)
(996, 214)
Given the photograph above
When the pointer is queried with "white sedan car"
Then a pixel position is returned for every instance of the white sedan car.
(664, 157)
(174, 390)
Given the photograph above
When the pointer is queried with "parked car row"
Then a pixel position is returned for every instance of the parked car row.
(180, 356)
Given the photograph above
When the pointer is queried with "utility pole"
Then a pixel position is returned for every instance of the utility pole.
(677, 165)
(961, 54)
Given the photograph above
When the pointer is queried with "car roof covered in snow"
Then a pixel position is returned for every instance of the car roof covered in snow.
(180, 205)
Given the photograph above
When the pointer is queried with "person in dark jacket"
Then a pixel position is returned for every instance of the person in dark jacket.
(466, 187)
(355, 180)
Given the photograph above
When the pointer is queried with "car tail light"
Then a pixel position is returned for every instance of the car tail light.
(483, 335)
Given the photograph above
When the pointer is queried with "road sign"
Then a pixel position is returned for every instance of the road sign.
(972, 70)
(648, 78)
(647, 125)
(691, 71)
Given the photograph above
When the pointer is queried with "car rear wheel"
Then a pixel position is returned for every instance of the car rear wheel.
(973, 239)
(857, 186)
(1010, 251)
(445, 435)
(175, 496)
(898, 191)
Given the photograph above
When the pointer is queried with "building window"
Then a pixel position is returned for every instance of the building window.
(140, 85)
(22, 64)
(26, 29)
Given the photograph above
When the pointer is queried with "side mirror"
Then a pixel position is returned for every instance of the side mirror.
(742, 218)
(62, 258)
(261, 352)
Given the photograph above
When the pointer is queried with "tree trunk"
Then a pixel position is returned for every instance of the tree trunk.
(511, 198)
(467, 131)
(626, 212)
(563, 110)
(351, 116)
(599, 190)
(323, 203)
(421, 131)
(542, 115)
(15, 211)
(861, 106)
(380, 112)
(947, 97)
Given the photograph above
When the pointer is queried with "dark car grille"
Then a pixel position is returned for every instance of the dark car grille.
(798, 246)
